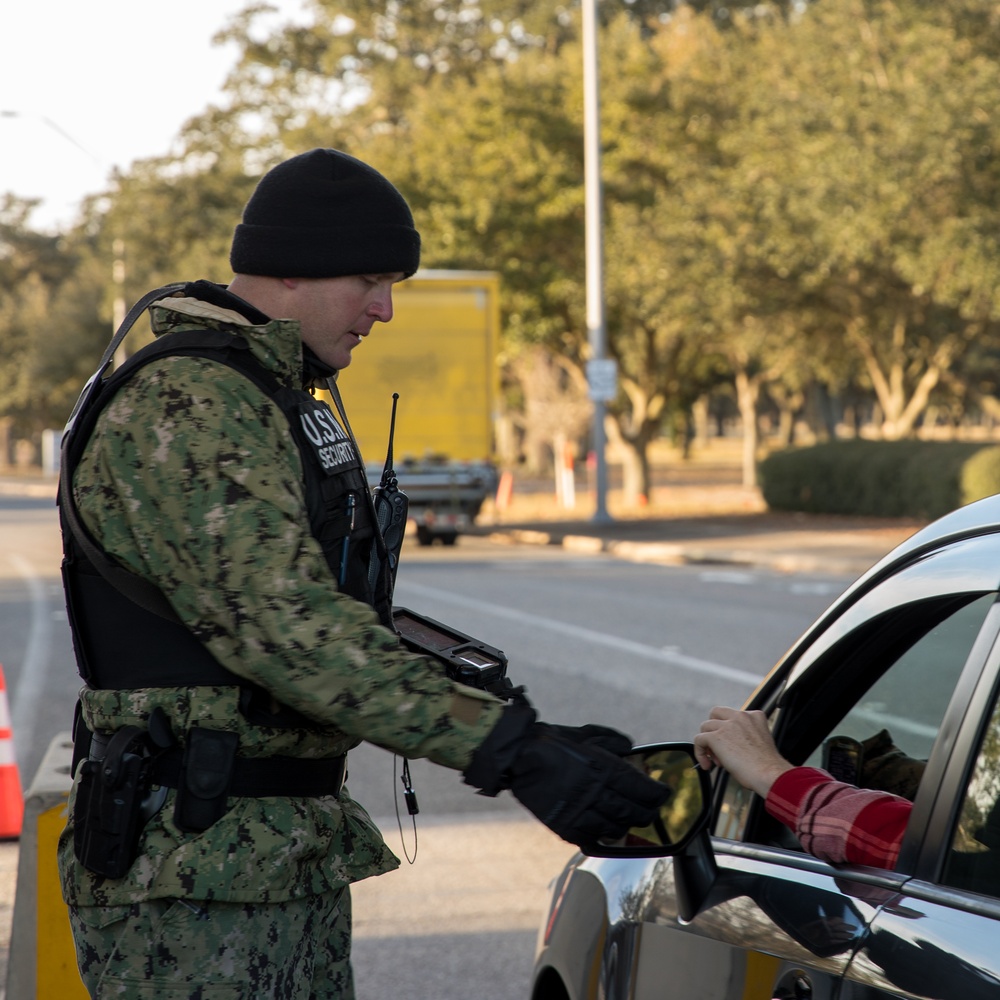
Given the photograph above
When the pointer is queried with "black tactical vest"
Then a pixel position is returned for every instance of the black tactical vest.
(124, 637)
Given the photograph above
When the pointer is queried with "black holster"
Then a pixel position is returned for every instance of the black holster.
(108, 821)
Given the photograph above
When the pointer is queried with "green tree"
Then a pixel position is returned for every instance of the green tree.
(494, 168)
(45, 310)
(803, 195)
(861, 134)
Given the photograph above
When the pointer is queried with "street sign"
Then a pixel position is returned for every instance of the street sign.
(602, 379)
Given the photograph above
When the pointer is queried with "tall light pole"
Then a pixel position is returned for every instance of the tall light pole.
(601, 370)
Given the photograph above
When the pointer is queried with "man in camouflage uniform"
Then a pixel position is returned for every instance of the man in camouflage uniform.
(260, 660)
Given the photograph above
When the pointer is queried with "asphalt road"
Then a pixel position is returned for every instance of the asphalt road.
(646, 648)
(35, 647)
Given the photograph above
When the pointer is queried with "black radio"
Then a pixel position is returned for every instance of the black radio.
(465, 659)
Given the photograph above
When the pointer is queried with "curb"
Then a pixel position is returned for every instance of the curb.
(42, 961)
(43, 489)
(682, 554)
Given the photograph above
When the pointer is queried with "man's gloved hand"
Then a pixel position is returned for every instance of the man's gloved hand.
(580, 790)
(573, 779)
(599, 736)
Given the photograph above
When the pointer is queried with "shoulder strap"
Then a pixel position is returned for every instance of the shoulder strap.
(94, 382)
(380, 554)
(334, 389)
(137, 589)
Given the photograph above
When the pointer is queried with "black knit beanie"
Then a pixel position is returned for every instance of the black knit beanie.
(324, 214)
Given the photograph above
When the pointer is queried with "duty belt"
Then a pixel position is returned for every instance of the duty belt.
(261, 777)
(124, 777)
(252, 777)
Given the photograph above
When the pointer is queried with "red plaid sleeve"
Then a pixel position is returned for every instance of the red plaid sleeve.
(837, 822)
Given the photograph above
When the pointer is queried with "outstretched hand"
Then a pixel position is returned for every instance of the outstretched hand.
(741, 743)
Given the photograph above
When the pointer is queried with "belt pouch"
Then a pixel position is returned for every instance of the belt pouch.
(206, 774)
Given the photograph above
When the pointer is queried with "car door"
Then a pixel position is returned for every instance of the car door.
(900, 663)
(937, 937)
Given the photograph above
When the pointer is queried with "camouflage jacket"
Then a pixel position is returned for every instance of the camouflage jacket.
(193, 481)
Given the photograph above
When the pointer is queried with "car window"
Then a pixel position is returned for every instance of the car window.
(973, 860)
(881, 691)
(899, 715)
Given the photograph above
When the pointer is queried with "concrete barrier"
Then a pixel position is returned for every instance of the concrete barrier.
(42, 962)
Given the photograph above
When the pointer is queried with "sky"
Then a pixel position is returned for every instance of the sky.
(88, 86)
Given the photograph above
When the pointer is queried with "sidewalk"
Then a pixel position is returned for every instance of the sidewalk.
(701, 515)
(14, 484)
(787, 543)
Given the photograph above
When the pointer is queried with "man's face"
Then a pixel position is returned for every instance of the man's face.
(335, 313)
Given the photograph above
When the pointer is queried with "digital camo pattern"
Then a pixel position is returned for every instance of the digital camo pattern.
(166, 949)
(193, 481)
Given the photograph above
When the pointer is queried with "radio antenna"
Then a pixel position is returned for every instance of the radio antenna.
(392, 433)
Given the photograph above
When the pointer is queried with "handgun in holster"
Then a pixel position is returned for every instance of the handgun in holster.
(107, 819)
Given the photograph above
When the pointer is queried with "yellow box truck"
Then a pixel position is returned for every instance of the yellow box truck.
(439, 353)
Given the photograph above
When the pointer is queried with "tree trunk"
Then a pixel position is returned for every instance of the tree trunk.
(699, 412)
(789, 404)
(899, 414)
(747, 394)
(636, 477)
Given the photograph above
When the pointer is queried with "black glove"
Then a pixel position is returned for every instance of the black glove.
(572, 779)
(599, 736)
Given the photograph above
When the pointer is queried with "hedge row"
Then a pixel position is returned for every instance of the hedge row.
(923, 479)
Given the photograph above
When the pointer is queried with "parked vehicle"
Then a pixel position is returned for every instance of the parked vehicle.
(439, 353)
(740, 911)
(445, 496)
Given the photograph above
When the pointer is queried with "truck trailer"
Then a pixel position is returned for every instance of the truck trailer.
(439, 353)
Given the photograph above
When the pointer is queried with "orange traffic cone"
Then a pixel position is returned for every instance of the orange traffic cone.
(504, 490)
(11, 796)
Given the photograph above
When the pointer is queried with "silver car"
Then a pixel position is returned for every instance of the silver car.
(722, 903)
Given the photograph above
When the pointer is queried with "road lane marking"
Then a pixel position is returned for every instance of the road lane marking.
(894, 723)
(617, 643)
(33, 675)
(733, 576)
(820, 589)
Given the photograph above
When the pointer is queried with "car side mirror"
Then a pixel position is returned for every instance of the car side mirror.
(680, 818)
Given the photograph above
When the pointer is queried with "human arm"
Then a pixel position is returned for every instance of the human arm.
(837, 822)
(834, 821)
